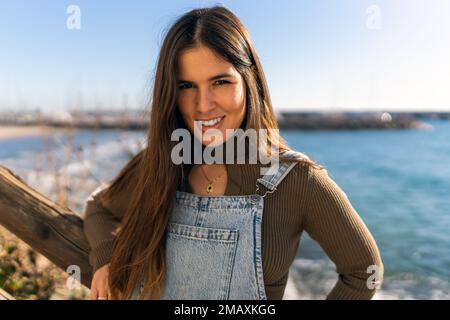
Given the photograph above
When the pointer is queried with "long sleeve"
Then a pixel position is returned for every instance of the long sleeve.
(100, 225)
(102, 218)
(332, 221)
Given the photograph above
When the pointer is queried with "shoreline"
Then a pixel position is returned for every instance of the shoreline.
(8, 132)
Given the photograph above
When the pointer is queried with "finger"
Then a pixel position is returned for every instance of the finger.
(94, 292)
(107, 286)
(102, 292)
(108, 291)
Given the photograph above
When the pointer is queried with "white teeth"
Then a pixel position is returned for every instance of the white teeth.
(210, 122)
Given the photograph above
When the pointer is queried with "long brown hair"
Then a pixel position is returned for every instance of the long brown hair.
(151, 178)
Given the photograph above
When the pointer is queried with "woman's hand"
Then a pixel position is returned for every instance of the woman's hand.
(99, 285)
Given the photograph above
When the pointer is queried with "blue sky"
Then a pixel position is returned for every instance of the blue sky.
(316, 54)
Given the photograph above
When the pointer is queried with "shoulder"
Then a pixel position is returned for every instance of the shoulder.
(322, 197)
(304, 174)
(313, 180)
(305, 169)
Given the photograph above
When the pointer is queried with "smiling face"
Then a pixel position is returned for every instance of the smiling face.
(211, 93)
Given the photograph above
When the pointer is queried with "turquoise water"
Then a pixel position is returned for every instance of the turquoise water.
(398, 182)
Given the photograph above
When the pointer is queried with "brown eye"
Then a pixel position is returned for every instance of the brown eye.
(221, 82)
(183, 86)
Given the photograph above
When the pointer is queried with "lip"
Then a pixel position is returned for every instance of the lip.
(216, 126)
(209, 118)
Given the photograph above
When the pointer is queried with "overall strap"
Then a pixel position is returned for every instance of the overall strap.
(272, 181)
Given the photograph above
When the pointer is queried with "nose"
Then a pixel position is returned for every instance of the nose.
(204, 101)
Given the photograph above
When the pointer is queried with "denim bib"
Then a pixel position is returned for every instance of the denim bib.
(213, 244)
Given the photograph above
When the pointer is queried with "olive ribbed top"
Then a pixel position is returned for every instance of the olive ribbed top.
(308, 200)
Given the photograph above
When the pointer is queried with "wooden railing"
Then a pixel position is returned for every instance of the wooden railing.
(5, 295)
(52, 230)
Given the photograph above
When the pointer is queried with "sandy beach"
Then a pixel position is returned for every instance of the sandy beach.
(10, 132)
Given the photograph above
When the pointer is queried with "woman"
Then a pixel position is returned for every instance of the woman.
(165, 230)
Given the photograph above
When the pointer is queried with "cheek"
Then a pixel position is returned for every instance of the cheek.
(185, 107)
(182, 103)
(235, 100)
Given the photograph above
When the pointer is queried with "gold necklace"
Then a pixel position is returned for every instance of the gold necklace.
(210, 186)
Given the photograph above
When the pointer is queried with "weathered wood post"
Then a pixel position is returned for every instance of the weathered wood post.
(52, 230)
(5, 295)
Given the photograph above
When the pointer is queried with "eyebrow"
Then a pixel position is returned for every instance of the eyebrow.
(221, 75)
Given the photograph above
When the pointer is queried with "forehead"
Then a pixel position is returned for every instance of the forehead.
(200, 64)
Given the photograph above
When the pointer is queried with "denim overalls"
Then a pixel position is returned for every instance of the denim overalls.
(213, 244)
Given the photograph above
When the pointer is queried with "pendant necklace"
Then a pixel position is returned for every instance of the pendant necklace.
(210, 186)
